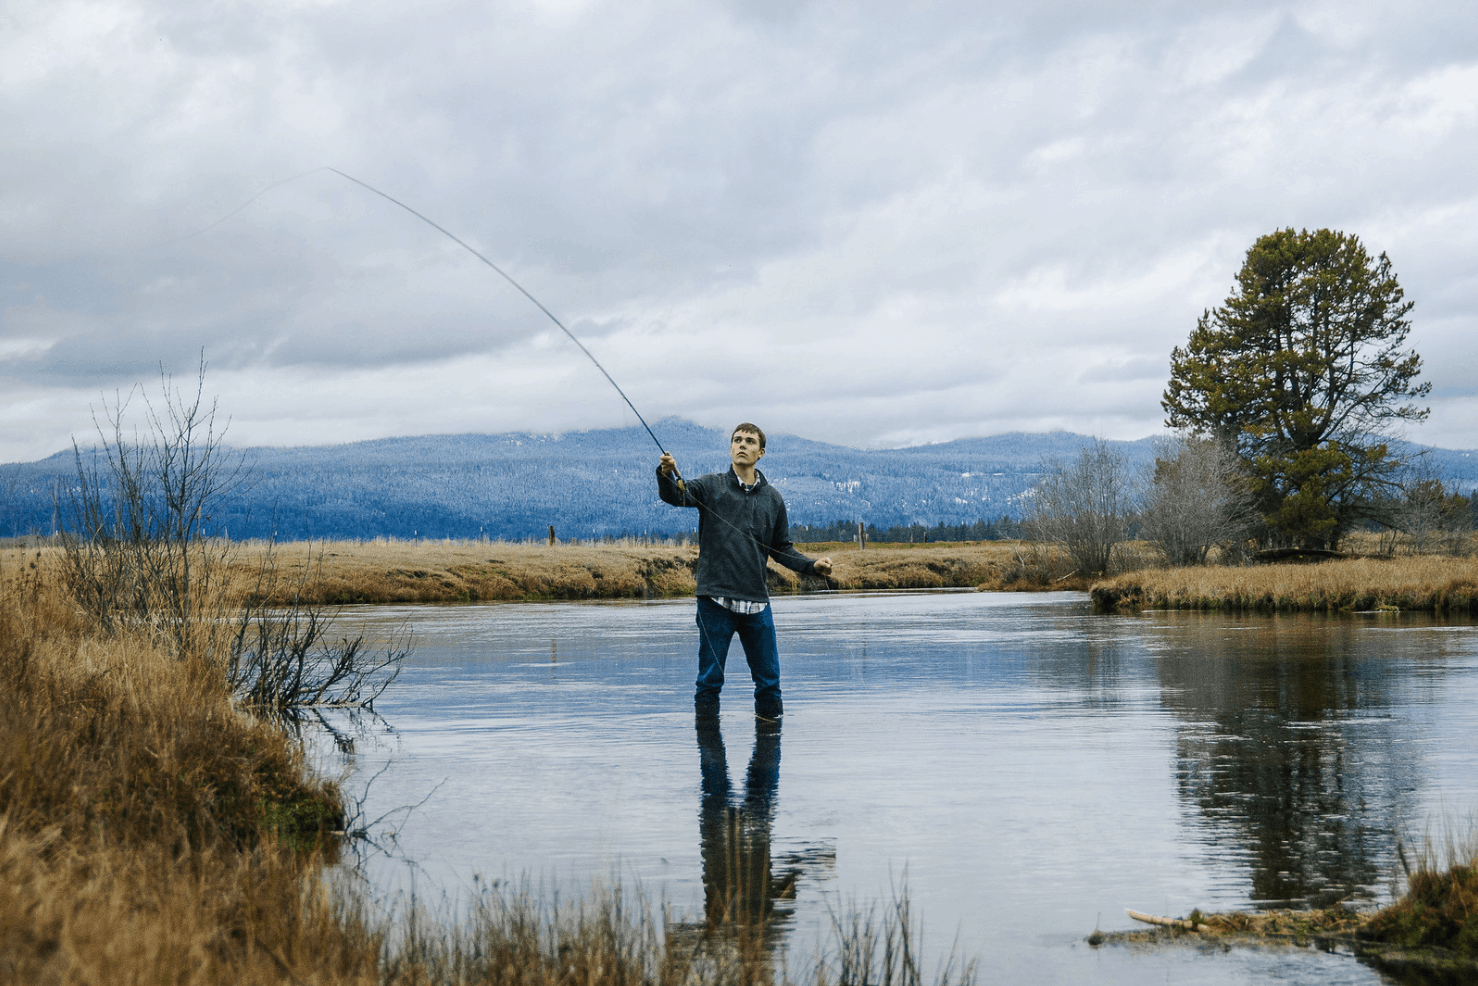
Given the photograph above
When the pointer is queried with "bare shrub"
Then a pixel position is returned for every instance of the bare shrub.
(1198, 499)
(138, 553)
(1086, 505)
(1430, 519)
(282, 660)
(133, 531)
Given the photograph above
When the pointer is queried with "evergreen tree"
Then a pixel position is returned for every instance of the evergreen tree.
(1303, 371)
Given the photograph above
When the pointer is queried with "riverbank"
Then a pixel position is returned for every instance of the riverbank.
(337, 572)
(153, 831)
(1426, 583)
(149, 832)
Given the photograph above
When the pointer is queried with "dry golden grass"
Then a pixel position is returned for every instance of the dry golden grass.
(149, 831)
(453, 571)
(1430, 583)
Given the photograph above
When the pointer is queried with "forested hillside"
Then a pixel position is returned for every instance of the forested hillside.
(586, 484)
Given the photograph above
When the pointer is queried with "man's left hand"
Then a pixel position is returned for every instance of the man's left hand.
(822, 566)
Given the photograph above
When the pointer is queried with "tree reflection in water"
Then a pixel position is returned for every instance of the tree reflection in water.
(1289, 750)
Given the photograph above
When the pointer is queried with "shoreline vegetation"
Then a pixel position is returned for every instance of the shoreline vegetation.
(341, 573)
(331, 573)
(1424, 583)
(473, 571)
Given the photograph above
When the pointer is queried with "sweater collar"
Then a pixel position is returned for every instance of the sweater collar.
(759, 479)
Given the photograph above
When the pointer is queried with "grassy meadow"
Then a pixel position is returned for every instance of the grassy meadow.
(468, 571)
(1431, 583)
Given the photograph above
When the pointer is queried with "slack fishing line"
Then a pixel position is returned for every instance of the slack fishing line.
(681, 485)
(521, 290)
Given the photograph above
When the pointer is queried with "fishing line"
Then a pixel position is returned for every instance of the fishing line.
(465, 246)
(521, 290)
(207, 229)
(681, 485)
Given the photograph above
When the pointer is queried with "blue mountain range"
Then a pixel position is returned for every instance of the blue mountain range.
(595, 483)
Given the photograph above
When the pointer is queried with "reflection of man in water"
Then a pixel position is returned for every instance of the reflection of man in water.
(741, 523)
(735, 839)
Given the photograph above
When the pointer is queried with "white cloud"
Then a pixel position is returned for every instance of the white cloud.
(870, 225)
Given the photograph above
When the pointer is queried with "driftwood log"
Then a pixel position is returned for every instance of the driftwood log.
(1168, 922)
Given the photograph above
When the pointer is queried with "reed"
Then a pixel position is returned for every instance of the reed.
(1427, 583)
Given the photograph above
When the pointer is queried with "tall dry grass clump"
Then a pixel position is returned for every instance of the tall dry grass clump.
(1427, 583)
(149, 831)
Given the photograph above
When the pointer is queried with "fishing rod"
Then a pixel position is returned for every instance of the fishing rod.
(681, 485)
(523, 291)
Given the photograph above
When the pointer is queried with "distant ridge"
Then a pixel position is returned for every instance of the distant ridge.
(598, 483)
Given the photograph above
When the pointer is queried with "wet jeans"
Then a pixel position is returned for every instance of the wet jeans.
(716, 629)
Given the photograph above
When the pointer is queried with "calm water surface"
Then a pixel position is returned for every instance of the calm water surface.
(1027, 768)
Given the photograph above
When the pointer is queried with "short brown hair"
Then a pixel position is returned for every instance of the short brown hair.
(746, 426)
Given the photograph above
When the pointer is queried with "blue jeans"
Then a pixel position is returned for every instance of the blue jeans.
(716, 629)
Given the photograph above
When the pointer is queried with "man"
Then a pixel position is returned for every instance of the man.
(741, 523)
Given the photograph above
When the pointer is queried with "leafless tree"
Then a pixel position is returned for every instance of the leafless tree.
(1086, 505)
(1427, 518)
(1197, 499)
(282, 660)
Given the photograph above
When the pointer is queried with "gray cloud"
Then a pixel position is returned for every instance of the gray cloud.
(874, 224)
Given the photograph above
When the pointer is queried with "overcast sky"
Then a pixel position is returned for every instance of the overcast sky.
(874, 224)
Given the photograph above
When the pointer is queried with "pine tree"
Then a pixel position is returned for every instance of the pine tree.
(1303, 371)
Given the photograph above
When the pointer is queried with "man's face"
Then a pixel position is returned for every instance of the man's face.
(744, 448)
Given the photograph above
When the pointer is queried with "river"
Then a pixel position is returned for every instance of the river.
(1025, 768)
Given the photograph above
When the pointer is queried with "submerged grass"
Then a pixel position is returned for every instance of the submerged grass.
(151, 831)
(1428, 583)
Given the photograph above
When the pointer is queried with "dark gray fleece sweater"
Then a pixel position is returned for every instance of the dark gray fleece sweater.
(737, 531)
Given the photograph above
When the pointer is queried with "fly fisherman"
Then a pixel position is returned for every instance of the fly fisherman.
(741, 523)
